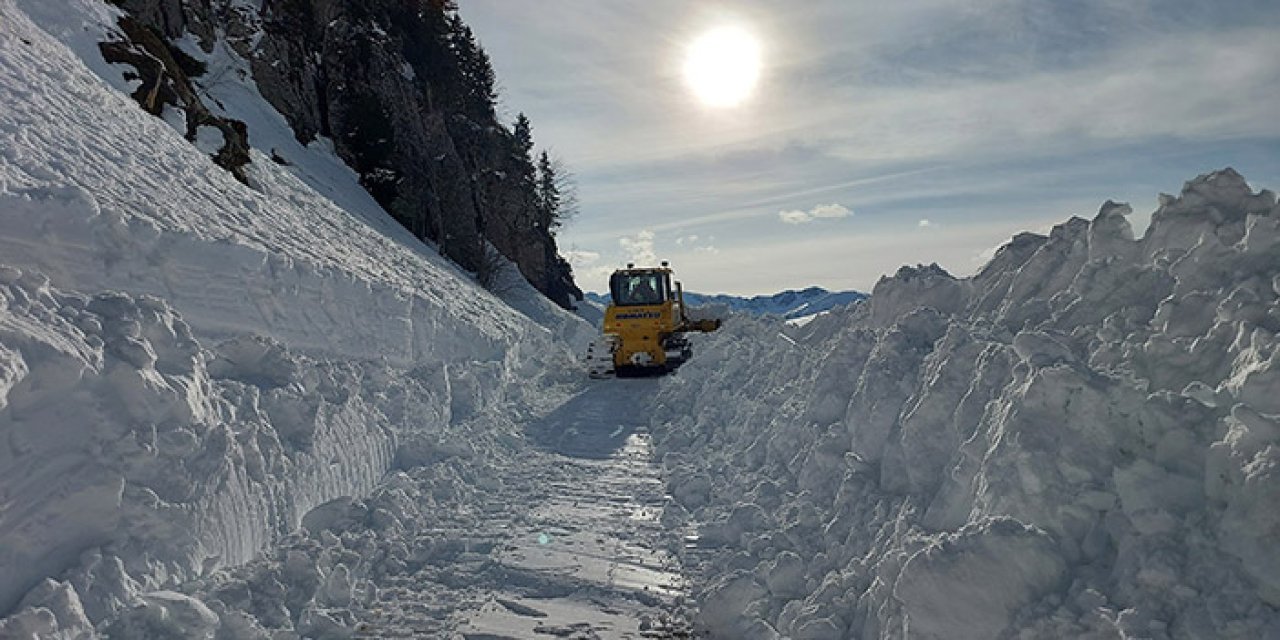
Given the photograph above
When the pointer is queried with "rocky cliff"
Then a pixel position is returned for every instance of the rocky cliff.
(398, 86)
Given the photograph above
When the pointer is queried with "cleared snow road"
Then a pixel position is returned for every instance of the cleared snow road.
(572, 546)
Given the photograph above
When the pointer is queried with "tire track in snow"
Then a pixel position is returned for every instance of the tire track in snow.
(575, 543)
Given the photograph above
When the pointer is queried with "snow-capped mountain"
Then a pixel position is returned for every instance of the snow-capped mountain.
(790, 304)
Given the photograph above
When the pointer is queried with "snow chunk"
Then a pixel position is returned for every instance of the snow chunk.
(166, 614)
(720, 612)
(50, 610)
(970, 584)
(254, 360)
(916, 287)
(1039, 349)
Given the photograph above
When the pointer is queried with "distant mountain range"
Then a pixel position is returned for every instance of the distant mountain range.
(789, 304)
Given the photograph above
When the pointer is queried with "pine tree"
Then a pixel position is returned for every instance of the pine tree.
(523, 134)
(484, 83)
(546, 192)
(478, 83)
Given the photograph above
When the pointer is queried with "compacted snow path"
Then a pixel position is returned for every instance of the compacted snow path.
(565, 540)
(584, 554)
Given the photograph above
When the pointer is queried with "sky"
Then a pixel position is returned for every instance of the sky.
(876, 135)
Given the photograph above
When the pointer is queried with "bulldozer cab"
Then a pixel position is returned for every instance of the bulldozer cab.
(641, 287)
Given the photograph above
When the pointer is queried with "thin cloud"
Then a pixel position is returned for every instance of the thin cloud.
(862, 256)
(820, 212)
(639, 248)
(833, 211)
(581, 258)
(794, 217)
(1206, 86)
(586, 268)
(758, 209)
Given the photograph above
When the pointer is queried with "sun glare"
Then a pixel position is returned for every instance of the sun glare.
(722, 66)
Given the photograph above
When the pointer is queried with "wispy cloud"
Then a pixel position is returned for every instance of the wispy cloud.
(842, 260)
(794, 216)
(1195, 85)
(639, 248)
(581, 258)
(820, 212)
(1207, 86)
(697, 244)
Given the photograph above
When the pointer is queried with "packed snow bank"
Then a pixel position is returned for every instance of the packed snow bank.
(139, 461)
(1083, 440)
(189, 365)
(122, 431)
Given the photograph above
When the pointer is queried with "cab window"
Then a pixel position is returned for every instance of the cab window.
(637, 289)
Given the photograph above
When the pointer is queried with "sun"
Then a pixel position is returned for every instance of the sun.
(722, 66)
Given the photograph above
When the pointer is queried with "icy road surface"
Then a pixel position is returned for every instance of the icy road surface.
(575, 547)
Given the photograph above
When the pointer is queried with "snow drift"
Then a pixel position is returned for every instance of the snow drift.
(1082, 440)
(190, 365)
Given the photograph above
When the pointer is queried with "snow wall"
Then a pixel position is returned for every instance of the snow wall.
(189, 365)
(1082, 440)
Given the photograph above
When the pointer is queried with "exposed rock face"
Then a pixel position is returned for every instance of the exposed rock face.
(165, 82)
(381, 78)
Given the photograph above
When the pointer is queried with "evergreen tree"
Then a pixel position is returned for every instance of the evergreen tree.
(428, 47)
(523, 134)
(525, 173)
(484, 83)
(477, 81)
(546, 192)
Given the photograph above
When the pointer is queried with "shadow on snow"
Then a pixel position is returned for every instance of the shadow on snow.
(597, 422)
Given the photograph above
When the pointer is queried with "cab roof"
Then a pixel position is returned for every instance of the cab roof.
(633, 270)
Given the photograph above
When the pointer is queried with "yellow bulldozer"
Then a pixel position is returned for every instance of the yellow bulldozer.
(644, 326)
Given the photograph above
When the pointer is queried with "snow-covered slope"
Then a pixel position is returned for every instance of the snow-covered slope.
(98, 194)
(788, 304)
(1083, 440)
(189, 365)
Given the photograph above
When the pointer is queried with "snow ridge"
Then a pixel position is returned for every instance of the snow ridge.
(1088, 428)
(190, 365)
